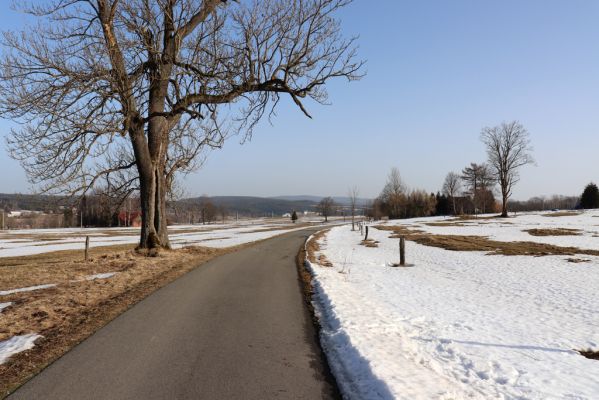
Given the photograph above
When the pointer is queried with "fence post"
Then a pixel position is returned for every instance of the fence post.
(86, 248)
(366, 237)
(402, 251)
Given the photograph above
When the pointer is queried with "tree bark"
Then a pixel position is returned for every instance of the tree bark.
(504, 206)
(455, 211)
(150, 166)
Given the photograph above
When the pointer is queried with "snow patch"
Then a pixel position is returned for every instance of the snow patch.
(100, 276)
(26, 289)
(4, 305)
(16, 344)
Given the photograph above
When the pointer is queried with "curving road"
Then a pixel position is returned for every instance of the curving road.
(234, 328)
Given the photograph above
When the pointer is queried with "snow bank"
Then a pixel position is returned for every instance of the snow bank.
(16, 344)
(456, 325)
(26, 289)
(4, 305)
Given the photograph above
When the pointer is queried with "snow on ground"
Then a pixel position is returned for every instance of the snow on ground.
(35, 241)
(16, 344)
(458, 325)
(26, 289)
(105, 275)
(4, 305)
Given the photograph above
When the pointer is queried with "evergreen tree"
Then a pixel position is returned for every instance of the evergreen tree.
(590, 196)
(443, 205)
(294, 216)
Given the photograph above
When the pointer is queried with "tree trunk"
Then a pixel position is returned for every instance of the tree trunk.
(152, 191)
(504, 207)
(455, 211)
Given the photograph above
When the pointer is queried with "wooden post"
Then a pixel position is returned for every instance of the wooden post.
(402, 251)
(366, 237)
(86, 248)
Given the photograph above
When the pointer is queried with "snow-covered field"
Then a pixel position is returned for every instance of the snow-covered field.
(38, 241)
(461, 325)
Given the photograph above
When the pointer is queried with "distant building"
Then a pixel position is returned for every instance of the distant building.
(132, 218)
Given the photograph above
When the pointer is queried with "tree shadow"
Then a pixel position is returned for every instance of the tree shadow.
(509, 346)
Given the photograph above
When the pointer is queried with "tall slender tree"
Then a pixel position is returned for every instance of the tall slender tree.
(353, 193)
(135, 90)
(451, 188)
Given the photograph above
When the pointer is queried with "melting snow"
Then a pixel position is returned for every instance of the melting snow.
(26, 289)
(460, 324)
(16, 344)
(100, 276)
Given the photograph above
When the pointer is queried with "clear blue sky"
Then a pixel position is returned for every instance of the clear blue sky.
(438, 71)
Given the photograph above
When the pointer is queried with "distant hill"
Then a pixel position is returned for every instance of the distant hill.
(341, 200)
(32, 202)
(257, 206)
(244, 205)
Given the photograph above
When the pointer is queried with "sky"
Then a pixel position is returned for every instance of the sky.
(437, 72)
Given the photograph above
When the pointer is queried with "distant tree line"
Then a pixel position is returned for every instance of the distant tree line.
(470, 192)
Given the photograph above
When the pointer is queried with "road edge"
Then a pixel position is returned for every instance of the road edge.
(305, 278)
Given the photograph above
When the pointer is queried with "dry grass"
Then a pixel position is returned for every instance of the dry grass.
(451, 222)
(554, 232)
(481, 243)
(313, 247)
(369, 243)
(468, 217)
(68, 313)
(562, 214)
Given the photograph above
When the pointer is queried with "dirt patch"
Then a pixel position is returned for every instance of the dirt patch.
(592, 354)
(68, 313)
(578, 260)
(369, 243)
(554, 232)
(562, 214)
(481, 243)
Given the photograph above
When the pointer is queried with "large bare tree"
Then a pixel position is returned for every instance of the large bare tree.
(508, 149)
(326, 207)
(135, 90)
(451, 188)
(394, 193)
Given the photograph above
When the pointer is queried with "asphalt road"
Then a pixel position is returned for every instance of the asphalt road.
(234, 328)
